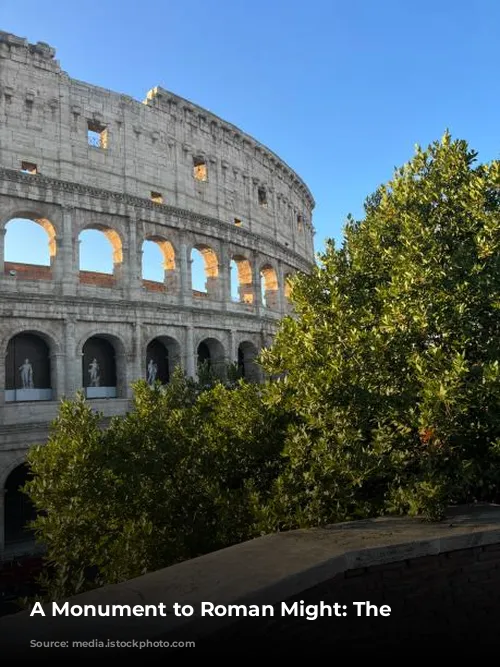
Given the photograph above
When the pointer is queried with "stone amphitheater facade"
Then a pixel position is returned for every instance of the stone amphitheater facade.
(75, 157)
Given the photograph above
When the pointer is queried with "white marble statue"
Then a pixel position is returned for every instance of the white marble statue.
(26, 371)
(152, 372)
(94, 373)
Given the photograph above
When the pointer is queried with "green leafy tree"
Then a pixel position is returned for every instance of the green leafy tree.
(175, 478)
(391, 368)
(385, 398)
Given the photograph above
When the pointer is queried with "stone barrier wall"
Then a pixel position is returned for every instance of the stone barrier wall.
(428, 584)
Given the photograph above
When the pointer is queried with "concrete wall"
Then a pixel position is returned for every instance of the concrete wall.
(148, 146)
(441, 582)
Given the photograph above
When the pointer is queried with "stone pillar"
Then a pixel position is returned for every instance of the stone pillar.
(58, 375)
(122, 272)
(2, 522)
(138, 361)
(2, 387)
(2, 250)
(225, 277)
(73, 365)
(257, 281)
(67, 264)
(185, 262)
(232, 353)
(190, 365)
(281, 305)
(133, 260)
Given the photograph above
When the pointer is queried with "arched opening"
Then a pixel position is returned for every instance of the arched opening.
(241, 280)
(158, 264)
(204, 271)
(203, 354)
(247, 365)
(99, 368)
(27, 369)
(32, 260)
(19, 510)
(269, 287)
(211, 353)
(100, 256)
(162, 356)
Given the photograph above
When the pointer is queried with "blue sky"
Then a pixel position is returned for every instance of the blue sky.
(342, 91)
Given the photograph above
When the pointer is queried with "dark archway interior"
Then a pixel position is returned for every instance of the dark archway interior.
(35, 349)
(103, 352)
(157, 352)
(247, 354)
(241, 362)
(19, 509)
(203, 354)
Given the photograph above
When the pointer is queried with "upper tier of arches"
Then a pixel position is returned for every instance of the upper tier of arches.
(179, 265)
(165, 148)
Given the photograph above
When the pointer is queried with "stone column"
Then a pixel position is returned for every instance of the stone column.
(58, 375)
(2, 522)
(133, 259)
(185, 262)
(190, 365)
(67, 264)
(232, 353)
(281, 289)
(257, 282)
(2, 250)
(73, 366)
(225, 275)
(138, 361)
(2, 387)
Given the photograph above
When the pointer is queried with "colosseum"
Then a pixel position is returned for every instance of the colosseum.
(75, 157)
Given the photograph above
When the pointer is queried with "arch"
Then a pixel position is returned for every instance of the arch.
(269, 286)
(211, 351)
(18, 508)
(14, 463)
(247, 364)
(28, 368)
(167, 251)
(94, 269)
(159, 270)
(164, 353)
(27, 260)
(100, 368)
(244, 277)
(210, 265)
(39, 330)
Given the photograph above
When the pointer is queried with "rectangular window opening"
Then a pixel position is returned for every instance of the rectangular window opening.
(29, 168)
(97, 134)
(156, 197)
(200, 171)
(300, 223)
(262, 194)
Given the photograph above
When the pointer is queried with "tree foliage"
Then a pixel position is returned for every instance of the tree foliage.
(173, 479)
(392, 365)
(385, 399)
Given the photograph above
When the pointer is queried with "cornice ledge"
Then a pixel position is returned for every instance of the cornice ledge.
(143, 203)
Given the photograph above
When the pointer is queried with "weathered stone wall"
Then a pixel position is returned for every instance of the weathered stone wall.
(441, 582)
(250, 207)
(453, 596)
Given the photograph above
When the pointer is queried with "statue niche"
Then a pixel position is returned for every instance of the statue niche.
(27, 369)
(99, 368)
(157, 363)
